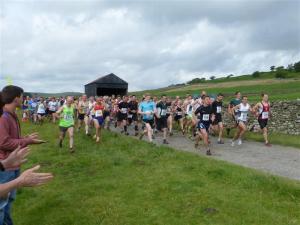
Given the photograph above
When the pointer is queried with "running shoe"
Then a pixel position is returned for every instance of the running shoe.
(208, 152)
(239, 142)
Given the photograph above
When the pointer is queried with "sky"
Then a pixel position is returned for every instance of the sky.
(60, 45)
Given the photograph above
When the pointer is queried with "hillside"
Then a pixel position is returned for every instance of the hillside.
(53, 94)
(278, 89)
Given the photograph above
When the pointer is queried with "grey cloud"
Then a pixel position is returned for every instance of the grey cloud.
(61, 45)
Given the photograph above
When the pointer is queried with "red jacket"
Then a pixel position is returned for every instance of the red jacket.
(10, 134)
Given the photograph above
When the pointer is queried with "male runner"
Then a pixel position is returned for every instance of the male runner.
(263, 114)
(161, 114)
(217, 110)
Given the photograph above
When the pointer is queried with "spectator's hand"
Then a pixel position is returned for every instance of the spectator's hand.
(29, 178)
(38, 141)
(16, 158)
(33, 135)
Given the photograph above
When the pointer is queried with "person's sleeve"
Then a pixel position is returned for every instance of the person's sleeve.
(154, 107)
(10, 144)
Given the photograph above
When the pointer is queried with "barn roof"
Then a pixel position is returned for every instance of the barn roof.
(109, 79)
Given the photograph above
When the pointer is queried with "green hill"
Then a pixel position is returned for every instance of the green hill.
(53, 94)
(278, 88)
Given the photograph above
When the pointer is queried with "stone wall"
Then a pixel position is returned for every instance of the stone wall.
(285, 118)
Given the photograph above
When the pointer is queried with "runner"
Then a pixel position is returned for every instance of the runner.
(263, 115)
(147, 110)
(233, 113)
(66, 124)
(242, 118)
(91, 113)
(107, 112)
(162, 120)
(98, 118)
(25, 106)
(41, 110)
(170, 116)
(205, 116)
(83, 109)
(188, 118)
(123, 114)
(53, 107)
(178, 113)
(217, 111)
(133, 114)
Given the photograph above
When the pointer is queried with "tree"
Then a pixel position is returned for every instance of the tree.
(256, 74)
(297, 66)
(290, 67)
(230, 75)
(196, 81)
(279, 68)
(212, 77)
(282, 74)
(272, 68)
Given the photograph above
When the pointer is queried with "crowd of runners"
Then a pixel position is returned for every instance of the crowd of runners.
(194, 117)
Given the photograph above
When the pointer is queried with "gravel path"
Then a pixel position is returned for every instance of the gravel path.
(276, 160)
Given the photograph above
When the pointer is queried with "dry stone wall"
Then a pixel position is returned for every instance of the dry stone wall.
(285, 118)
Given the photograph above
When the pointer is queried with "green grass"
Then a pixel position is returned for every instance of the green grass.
(126, 181)
(274, 138)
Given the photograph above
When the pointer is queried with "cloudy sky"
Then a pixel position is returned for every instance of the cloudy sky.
(56, 45)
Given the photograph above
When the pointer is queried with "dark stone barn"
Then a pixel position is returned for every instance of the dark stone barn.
(107, 85)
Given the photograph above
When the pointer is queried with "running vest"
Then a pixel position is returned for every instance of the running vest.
(41, 108)
(264, 111)
(98, 109)
(243, 112)
(83, 107)
(67, 119)
(189, 109)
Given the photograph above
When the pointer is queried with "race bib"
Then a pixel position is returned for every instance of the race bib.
(130, 116)
(205, 117)
(265, 115)
(68, 117)
(124, 110)
(244, 116)
(219, 109)
(52, 108)
(163, 112)
(179, 113)
(98, 113)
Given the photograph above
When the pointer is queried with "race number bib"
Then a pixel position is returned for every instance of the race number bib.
(163, 112)
(130, 116)
(179, 113)
(219, 109)
(244, 116)
(124, 110)
(265, 115)
(68, 117)
(205, 117)
(98, 113)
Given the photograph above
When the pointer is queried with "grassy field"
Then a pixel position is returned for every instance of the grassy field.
(126, 181)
